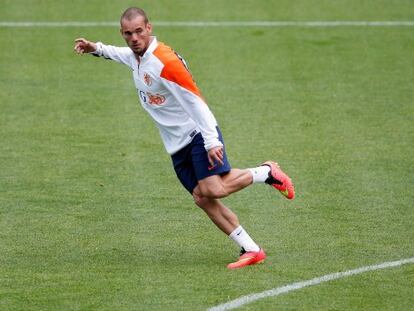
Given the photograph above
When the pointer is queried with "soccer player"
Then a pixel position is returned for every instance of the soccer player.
(188, 128)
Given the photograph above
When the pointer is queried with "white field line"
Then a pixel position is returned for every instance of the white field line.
(233, 304)
(14, 24)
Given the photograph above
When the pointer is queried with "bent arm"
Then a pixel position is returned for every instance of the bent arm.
(178, 80)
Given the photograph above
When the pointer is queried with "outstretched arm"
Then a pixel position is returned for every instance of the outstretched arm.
(119, 54)
(84, 46)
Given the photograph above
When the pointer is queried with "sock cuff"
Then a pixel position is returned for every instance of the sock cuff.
(236, 231)
(243, 239)
(260, 173)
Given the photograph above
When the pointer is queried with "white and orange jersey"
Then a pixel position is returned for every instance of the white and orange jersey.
(168, 93)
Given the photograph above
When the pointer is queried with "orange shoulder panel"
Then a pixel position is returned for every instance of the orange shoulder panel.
(174, 69)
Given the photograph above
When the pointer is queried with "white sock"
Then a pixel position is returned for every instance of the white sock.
(242, 238)
(260, 174)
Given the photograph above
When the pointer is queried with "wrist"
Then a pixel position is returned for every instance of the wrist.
(97, 48)
(213, 145)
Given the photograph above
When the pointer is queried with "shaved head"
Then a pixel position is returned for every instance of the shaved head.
(136, 30)
(133, 12)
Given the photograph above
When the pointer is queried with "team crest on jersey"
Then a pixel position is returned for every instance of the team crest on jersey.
(147, 79)
(155, 99)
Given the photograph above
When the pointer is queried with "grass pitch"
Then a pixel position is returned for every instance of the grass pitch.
(93, 218)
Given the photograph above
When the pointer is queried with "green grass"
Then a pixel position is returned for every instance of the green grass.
(93, 218)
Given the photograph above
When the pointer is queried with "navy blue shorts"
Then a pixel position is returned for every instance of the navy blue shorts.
(191, 163)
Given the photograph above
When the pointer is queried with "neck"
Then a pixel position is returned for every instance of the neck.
(139, 55)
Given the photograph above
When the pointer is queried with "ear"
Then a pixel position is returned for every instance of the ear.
(149, 27)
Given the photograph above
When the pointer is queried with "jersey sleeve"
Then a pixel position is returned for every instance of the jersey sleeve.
(178, 80)
(119, 54)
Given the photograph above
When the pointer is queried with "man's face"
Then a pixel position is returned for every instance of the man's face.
(137, 34)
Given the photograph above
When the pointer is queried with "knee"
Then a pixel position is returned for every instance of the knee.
(216, 191)
(203, 203)
(199, 200)
(207, 205)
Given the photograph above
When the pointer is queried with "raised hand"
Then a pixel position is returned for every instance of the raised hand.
(84, 46)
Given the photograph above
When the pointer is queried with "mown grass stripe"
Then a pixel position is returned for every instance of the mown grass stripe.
(216, 24)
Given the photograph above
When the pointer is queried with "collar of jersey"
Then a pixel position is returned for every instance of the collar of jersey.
(151, 48)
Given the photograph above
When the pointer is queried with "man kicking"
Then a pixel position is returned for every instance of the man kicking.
(188, 128)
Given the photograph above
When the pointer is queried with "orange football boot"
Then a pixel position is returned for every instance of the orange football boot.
(247, 259)
(279, 180)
